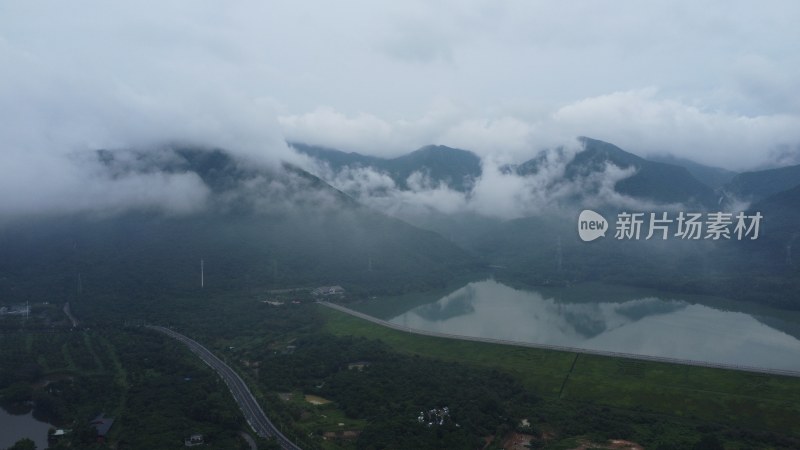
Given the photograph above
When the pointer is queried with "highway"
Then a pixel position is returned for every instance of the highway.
(70, 316)
(788, 373)
(253, 413)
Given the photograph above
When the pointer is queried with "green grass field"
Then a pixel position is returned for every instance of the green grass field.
(750, 400)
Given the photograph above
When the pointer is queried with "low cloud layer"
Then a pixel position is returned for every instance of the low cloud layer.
(498, 193)
(505, 80)
(641, 121)
(74, 84)
(60, 184)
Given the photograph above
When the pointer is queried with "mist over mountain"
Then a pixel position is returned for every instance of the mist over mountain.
(781, 213)
(527, 232)
(758, 185)
(207, 166)
(714, 177)
(436, 164)
(257, 228)
(376, 224)
(439, 180)
(648, 180)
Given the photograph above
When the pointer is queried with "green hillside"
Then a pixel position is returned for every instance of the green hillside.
(758, 185)
(453, 167)
(714, 177)
(656, 181)
(253, 235)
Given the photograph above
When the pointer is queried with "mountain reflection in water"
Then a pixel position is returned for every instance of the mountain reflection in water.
(613, 319)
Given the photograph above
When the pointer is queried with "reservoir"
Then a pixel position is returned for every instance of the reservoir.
(607, 318)
(14, 427)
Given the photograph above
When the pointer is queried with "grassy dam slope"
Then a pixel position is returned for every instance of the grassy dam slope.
(768, 402)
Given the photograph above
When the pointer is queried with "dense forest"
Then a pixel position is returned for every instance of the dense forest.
(324, 390)
(156, 392)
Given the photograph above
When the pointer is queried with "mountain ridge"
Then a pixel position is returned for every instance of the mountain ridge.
(714, 177)
(460, 169)
(260, 230)
(655, 181)
(453, 167)
(761, 184)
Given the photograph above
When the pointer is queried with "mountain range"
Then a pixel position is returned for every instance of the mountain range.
(453, 167)
(263, 228)
(714, 177)
(544, 248)
(269, 227)
(661, 179)
(758, 185)
(654, 181)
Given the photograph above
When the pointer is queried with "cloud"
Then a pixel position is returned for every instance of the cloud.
(498, 193)
(445, 123)
(416, 42)
(503, 79)
(433, 32)
(368, 133)
(645, 123)
(46, 163)
(127, 80)
(365, 132)
(55, 184)
(640, 121)
(60, 109)
(760, 83)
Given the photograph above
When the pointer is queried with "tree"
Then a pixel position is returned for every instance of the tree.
(23, 444)
(709, 442)
(18, 392)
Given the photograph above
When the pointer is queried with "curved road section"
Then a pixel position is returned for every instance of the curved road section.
(247, 403)
(70, 316)
(789, 373)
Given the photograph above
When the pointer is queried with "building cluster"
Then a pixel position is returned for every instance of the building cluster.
(194, 440)
(325, 291)
(341, 435)
(20, 310)
(358, 365)
(101, 424)
(434, 416)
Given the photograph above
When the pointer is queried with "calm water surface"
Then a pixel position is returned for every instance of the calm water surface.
(613, 318)
(14, 427)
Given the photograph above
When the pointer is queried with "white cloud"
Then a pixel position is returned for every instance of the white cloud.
(43, 182)
(503, 79)
(640, 121)
(644, 123)
(114, 79)
(497, 193)
(326, 126)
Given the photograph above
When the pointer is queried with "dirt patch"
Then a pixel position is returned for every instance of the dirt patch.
(344, 435)
(624, 445)
(46, 381)
(517, 441)
(316, 400)
(613, 444)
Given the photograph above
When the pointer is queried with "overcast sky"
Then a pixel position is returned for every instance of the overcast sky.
(716, 81)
